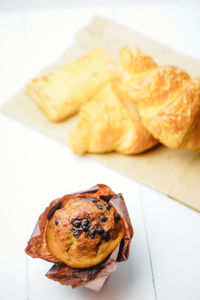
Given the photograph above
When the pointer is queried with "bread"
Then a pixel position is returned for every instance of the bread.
(166, 99)
(80, 230)
(134, 61)
(61, 93)
(106, 125)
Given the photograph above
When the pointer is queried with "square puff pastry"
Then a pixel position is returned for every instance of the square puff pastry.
(61, 93)
(165, 97)
(105, 125)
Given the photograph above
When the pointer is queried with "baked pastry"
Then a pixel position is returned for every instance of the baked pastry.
(134, 61)
(61, 93)
(91, 229)
(166, 99)
(106, 125)
(82, 230)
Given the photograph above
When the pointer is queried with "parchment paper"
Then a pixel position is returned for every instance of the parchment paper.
(175, 173)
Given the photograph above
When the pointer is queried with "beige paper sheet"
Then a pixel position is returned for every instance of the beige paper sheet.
(175, 173)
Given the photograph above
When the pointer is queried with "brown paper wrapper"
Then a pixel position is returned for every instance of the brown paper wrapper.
(95, 276)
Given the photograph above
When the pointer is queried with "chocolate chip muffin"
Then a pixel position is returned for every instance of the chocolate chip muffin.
(84, 234)
(84, 231)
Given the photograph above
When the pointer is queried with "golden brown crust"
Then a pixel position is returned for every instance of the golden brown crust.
(79, 245)
(105, 125)
(168, 103)
(61, 93)
(134, 61)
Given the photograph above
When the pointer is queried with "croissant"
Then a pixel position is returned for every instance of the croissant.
(105, 125)
(61, 93)
(165, 97)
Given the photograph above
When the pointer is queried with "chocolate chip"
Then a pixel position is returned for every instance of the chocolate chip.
(93, 199)
(99, 206)
(100, 230)
(86, 228)
(106, 197)
(84, 222)
(85, 225)
(106, 236)
(76, 233)
(117, 218)
(76, 223)
(56, 221)
(92, 233)
(103, 218)
(108, 206)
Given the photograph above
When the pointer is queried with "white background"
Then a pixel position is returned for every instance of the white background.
(164, 261)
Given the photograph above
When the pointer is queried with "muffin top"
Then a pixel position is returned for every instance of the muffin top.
(84, 231)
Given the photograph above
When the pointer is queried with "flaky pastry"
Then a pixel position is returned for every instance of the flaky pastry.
(166, 98)
(106, 125)
(61, 93)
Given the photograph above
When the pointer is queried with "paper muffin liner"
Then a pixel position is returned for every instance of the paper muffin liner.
(93, 277)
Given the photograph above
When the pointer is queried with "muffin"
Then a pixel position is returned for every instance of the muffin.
(84, 231)
(81, 232)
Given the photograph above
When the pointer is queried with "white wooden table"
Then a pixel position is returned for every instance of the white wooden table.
(165, 254)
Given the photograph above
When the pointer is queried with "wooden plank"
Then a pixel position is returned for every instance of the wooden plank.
(13, 232)
(173, 235)
(13, 229)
